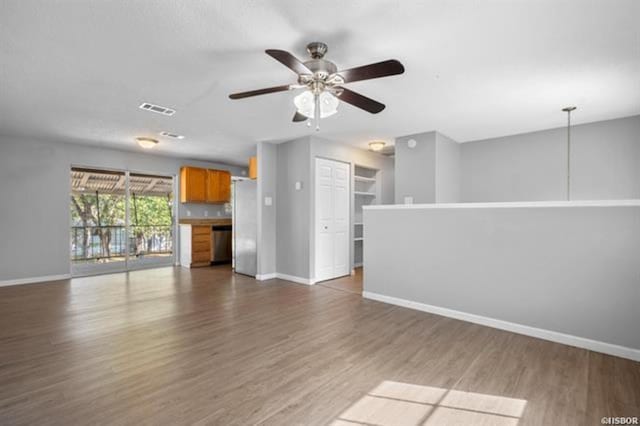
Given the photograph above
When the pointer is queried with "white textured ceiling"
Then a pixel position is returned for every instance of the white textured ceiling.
(77, 70)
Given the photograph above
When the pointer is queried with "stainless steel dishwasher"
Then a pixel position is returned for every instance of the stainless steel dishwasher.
(220, 244)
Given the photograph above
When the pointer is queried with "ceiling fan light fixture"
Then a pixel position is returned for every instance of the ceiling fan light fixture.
(147, 143)
(305, 104)
(376, 145)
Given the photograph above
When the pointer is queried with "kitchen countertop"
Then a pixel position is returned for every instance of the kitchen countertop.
(205, 221)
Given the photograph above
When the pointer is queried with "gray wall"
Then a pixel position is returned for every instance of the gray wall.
(415, 168)
(35, 187)
(447, 164)
(267, 182)
(294, 208)
(572, 270)
(605, 163)
(429, 172)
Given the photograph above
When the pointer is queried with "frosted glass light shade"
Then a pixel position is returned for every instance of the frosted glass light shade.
(305, 103)
(146, 143)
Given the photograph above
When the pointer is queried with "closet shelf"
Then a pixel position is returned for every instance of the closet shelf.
(364, 179)
(365, 194)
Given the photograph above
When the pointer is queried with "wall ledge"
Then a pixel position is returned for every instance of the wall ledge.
(553, 336)
(502, 205)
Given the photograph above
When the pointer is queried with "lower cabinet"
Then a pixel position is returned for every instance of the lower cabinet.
(195, 245)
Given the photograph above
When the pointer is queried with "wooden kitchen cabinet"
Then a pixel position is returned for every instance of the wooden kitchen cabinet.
(193, 185)
(253, 168)
(204, 186)
(195, 245)
(218, 186)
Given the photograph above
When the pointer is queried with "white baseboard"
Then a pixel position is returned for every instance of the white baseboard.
(554, 336)
(34, 280)
(299, 280)
(264, 277)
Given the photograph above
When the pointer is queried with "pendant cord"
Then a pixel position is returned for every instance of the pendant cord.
(568, 110)
(317, 112)
(569, 155)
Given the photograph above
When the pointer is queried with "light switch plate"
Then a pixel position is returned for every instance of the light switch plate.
(408, 200)
(206, 213)
(298, 186)
(268, 201)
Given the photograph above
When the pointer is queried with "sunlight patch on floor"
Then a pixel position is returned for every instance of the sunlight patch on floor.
(405, 404)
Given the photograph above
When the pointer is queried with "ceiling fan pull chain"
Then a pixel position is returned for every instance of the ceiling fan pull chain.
(317, 111)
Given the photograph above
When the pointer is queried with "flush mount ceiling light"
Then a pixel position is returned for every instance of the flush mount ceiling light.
(147, 143)
(376, 145)
(324, 83)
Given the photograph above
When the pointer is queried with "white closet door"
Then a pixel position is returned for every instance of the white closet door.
(332, 219)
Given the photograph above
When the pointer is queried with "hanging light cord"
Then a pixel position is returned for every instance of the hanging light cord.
(568, 111)
(317, 110)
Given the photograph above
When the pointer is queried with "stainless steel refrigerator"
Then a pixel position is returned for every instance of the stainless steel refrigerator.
(245, 227)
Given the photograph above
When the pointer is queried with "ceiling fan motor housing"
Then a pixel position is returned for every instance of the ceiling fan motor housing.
(321, 68)
(317, 49)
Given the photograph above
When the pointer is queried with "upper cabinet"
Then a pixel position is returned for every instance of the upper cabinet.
(253, 168)
(204, 186)
(218, 186)
(193, 185)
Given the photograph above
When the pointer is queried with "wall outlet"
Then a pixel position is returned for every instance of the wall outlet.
(268, 201)
(219, 213)
(408, 200)
(206, 213)
(298, 186)
(188, 213)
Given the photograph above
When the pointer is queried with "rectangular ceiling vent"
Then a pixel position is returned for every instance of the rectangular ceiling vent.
(157, 108)
(171, 135)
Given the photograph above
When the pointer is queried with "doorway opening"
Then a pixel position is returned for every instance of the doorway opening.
(120, 221)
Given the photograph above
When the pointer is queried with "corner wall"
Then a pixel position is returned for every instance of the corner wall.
(266, 189)
(293, 213)
(429, 172)
(447, 167)
(416, 168)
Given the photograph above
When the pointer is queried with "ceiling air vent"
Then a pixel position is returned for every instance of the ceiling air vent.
(171, 135)
(157, 108)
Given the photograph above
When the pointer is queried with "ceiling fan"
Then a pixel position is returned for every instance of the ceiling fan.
(324, 83)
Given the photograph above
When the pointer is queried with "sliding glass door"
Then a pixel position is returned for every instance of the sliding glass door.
(150, 220)
(120, 221)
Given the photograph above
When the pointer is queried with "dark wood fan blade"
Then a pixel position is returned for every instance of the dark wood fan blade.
(297, 117)
(377, 70)
(289, 61)
(275, 89)
(360, 101)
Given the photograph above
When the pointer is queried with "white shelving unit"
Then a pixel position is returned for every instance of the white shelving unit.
(366, 192)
